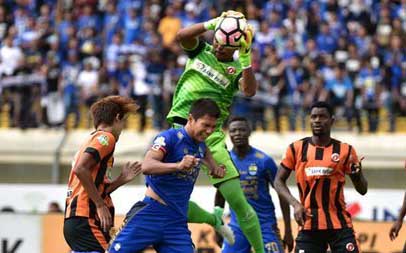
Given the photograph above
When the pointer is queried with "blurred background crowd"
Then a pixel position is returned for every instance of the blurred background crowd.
(57, 57)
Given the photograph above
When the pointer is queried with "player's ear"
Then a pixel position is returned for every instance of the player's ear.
(333, 119)
(190, 118)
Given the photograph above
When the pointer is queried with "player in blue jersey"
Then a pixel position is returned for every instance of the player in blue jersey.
(171, 167)
(257, 171)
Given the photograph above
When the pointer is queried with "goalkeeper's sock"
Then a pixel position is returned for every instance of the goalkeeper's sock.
(246, 216)
(196, 214)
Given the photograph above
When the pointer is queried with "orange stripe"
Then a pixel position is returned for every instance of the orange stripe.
(97, 233)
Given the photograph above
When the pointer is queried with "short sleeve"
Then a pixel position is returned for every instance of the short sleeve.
(352, 158)
(288, 159)
(162, 142)
(194, 52)
(101, 145)
(271, 168)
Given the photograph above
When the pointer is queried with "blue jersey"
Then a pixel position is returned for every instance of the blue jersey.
(257, 172)
(175, 188)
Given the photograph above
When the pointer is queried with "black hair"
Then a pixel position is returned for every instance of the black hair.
(204, 106)
(323, 104)
(238, 118)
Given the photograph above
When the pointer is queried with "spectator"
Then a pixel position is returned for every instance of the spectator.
(54, 207)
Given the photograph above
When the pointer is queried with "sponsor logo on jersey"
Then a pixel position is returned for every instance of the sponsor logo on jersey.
(210, 73)
(335, 157)
(318, 171)
(252, 169)
(158, 143)
(103, 140)
(231, 70)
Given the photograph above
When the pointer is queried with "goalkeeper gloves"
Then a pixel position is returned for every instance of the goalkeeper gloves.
(245, 49)
(212, 23)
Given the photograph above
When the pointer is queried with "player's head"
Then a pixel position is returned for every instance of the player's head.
(223, 53)
(321, 118)
(112, 111)
(202, 119)
(239, 130)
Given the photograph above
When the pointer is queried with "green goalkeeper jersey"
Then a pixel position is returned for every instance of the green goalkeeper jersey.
(205, 77)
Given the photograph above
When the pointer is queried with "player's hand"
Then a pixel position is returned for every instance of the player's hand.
(231, 13)
(356, 167)
(104, 215)
(130, 170)
(300, 213)
(394, 231)
(188, 162)
(245, 49)
(288, 241)
(218, 172)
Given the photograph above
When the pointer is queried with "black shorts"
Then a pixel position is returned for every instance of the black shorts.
(84, 234)
(339, 240)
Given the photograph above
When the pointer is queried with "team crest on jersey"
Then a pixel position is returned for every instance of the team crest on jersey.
(180, 135)
(231, 70)
(185, 151)
(158, 143)
(350, 246)
(252, 169)
(335, 157)
(103, 140)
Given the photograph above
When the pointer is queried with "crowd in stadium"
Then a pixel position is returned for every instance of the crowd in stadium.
(58, 56)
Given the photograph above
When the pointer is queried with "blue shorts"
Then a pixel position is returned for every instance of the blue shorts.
(150, 223)
(270, 235)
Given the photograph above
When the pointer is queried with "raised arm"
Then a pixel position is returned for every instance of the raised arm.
(248, 83)
(358, 179)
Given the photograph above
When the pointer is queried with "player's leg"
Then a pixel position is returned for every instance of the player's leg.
(140, 229)
(272, 239)
(231, 190)
(83, 235)
(246, 216)
(309, 241)
(241, 244)
(344, 241)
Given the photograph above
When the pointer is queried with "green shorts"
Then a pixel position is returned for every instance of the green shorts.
(217, 145)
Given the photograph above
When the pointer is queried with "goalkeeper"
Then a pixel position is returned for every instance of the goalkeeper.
(211, 72)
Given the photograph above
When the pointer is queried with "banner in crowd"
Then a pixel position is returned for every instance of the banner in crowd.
(377, 205)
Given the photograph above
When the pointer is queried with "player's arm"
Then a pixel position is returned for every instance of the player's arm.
(153, 165)
(128, 172)
(280, 186)
(217, 171)
(287, 236)
(394, 231)
(188, 36)
(357, 177)
(82, 169)
(248, 83)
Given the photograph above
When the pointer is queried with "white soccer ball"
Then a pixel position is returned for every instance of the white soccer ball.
(230, 30)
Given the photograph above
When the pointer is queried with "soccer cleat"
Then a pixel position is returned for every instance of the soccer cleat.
(223, 229)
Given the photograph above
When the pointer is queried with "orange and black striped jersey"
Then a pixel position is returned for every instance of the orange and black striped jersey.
(320, 176)
(100, 145)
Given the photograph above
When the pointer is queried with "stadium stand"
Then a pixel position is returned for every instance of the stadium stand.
(57, 57)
